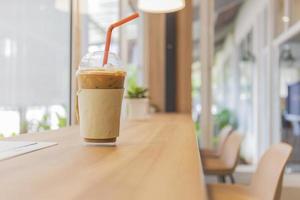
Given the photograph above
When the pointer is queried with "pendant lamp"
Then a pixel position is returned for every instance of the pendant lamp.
(160, 6)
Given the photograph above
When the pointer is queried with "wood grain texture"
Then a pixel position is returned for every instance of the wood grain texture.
(230, 192)
(184, 58)
(76, 54)
(154, 159)
(154, 58)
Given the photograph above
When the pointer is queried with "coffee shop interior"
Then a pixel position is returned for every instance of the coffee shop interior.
(212, 94)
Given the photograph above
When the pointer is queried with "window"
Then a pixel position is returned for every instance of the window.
(99, 15)
(127, 41)
(196, 67)
(289, 74)
(131, 40)
(34, 66)
(35, 56)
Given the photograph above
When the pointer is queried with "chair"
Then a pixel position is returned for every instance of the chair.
(228, 160)
(222, 138)
(266, 182)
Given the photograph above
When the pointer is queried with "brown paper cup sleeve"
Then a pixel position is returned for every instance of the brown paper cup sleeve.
(99, 112)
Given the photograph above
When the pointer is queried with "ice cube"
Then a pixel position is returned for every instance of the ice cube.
(109, 66)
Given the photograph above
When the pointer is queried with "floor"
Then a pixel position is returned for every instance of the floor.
(291, 185)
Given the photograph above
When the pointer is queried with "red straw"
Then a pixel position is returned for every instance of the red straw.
(109, 33)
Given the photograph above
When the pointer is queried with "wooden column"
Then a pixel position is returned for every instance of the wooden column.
(206, 55)
(184, 59)
(75, 53)
(154, 58)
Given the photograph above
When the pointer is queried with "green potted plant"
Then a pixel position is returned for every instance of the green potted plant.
(137, 102)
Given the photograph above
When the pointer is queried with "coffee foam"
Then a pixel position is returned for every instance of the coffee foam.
(116, 72)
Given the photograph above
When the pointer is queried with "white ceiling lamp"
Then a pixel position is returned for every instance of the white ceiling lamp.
(160, 6)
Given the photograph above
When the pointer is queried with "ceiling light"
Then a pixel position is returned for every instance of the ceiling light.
(161, 6)
(285, 19)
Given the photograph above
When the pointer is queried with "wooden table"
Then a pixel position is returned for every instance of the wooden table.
(155, 159)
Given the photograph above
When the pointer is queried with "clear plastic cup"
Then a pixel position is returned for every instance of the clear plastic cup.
(92, 75)
(100, 94)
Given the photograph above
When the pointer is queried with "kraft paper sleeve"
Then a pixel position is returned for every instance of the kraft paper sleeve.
(99, 112)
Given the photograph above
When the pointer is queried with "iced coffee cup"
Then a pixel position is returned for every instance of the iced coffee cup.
(100, 94)
(101, 87)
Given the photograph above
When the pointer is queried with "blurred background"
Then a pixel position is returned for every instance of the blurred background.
(255, 68)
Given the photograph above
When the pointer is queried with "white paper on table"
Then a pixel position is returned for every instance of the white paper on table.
(10, 149)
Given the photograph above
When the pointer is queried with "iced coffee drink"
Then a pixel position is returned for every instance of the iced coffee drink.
(101, 79)
(100, 94)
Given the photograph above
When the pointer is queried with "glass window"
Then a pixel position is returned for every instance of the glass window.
(246, 65)
(97, 17)
(131, 39)
(34, 66)
(126, 41)
(196, 66)
(289, 74)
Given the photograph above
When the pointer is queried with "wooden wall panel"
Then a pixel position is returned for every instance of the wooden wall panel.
(154, 58)
(184, 59)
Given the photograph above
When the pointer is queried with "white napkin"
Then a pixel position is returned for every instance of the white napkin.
(10, 149)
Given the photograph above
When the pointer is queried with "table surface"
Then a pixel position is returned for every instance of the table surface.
(155, 159)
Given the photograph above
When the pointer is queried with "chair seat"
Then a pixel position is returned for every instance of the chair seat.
(230, 192)
(208, 153)
(216, 166)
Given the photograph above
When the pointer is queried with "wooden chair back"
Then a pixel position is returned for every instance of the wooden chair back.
(223, 137)
(267, 180)
(231, 150)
